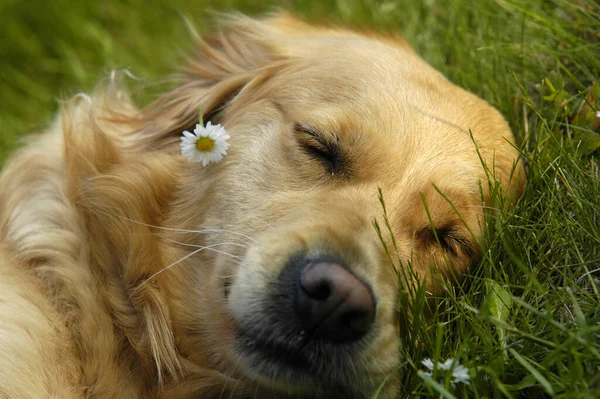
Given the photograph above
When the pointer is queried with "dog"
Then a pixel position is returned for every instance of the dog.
(128, 272)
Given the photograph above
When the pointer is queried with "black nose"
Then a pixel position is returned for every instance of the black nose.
(332, 303)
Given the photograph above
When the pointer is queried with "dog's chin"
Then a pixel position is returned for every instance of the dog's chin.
(276, 365)
(294, 366)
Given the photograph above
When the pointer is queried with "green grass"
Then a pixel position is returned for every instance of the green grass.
(526, 320)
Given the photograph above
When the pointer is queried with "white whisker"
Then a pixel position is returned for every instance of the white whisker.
(200, 246)
(163, 269)
(179, 261)
(222, 252)
(202, 231)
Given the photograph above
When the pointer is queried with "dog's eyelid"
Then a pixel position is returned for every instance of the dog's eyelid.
(449, 237)
(306, 128)
(309, 129)
(320, 145)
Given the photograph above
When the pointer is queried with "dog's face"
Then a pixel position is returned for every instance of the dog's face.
(303, 294)
(295, 290)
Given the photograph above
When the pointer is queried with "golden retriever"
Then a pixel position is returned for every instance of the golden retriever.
(128, 272)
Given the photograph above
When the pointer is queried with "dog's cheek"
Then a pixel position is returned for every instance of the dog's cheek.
(248, 284)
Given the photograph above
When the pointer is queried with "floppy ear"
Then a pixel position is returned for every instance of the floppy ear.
(239, 57)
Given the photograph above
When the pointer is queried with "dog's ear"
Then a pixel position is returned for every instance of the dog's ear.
(241, 56)
(120, 198)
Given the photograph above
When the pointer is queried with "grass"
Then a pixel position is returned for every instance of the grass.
(526, 319)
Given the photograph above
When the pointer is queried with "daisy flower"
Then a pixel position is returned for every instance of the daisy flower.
(460, 374)
(206, 144)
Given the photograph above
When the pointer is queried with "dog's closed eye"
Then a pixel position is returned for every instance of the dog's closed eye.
(320, 147)
(449, 239)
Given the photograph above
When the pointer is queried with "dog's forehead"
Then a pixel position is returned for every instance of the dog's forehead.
(382, 84)
(351, 66)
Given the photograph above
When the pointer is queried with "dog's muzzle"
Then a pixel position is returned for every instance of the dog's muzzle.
(310, 325)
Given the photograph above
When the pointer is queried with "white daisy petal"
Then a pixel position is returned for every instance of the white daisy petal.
(461, 374)
(447, 365)
(428, 363)
(187, 145)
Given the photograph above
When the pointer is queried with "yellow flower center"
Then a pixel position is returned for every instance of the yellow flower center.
(205, 144)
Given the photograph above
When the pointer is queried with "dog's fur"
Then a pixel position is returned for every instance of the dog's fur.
(98, 296)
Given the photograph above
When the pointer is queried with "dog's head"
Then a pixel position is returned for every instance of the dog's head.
(287, 283)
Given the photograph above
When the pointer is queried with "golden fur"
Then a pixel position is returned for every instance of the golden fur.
(98, 297)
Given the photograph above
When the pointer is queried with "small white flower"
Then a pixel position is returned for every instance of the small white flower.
(428, 363)
(447, 365)
(206, 144)
(461, 374)
(597, 114)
